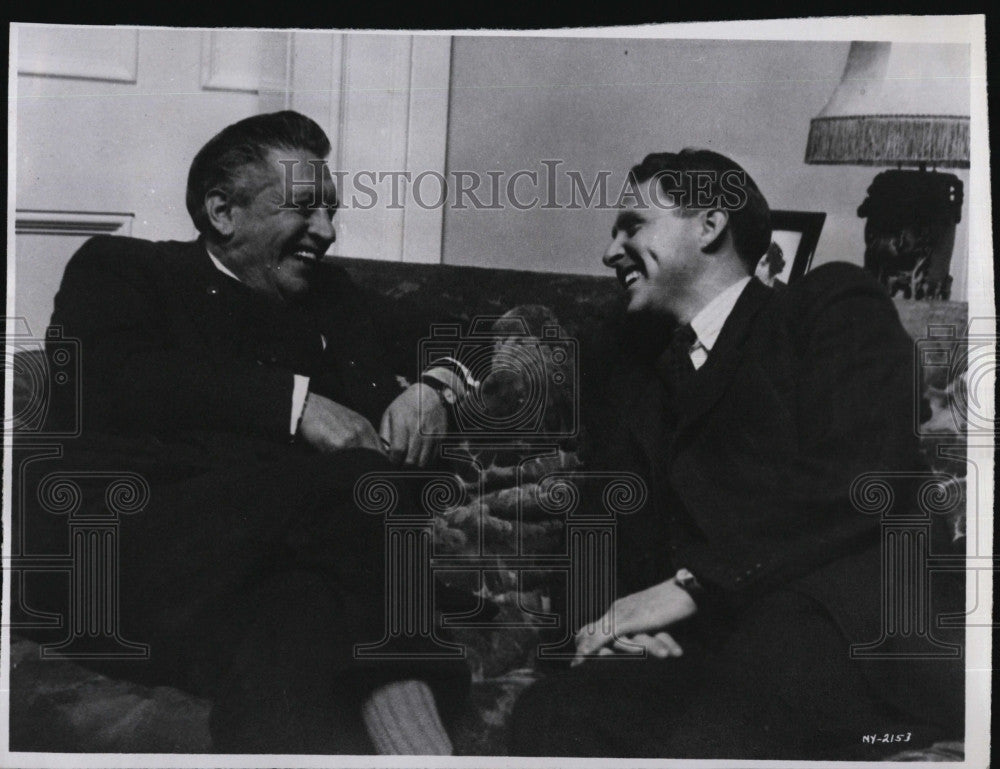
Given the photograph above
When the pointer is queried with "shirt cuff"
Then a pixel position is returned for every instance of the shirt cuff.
(299, 392)
(452, 374)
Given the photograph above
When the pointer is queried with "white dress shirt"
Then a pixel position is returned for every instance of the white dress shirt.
(708, 323)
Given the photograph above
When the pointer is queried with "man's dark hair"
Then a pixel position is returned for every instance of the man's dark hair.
(221, 163)
(699, 179)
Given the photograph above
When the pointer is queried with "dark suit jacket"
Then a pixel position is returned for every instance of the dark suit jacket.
(170, 344)
(186, 379)
(751, 464)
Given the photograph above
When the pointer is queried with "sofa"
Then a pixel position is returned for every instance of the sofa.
(61, 706)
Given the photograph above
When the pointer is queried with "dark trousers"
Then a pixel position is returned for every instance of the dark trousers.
(779, 685)
(252, 574)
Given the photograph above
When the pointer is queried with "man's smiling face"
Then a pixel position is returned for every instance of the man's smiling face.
(275, 249)
(655, 252)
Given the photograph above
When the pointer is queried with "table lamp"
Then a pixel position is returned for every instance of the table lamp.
(902, 104)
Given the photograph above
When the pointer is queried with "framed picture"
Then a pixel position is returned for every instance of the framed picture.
(796, 234)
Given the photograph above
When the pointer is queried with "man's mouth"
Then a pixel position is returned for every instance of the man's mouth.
(629, 276)
(307, 256)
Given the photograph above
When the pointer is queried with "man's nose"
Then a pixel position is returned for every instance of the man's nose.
(615, 253)
(321, 225)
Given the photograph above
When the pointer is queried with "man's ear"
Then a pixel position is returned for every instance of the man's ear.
(714, 222)
(219, 209)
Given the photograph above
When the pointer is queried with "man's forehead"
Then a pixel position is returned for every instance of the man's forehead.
(636, 210)
(292, 170)
(304, 165)
(629, 213)
(647, 199)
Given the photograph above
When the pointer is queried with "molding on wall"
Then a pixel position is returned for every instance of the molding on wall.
(277, 57)
(374, 117)
(339, 99)
(427, 139)
(40, 222)
(110, 55)
(231, 61)
(392, 116)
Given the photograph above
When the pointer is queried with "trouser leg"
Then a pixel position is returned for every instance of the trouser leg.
(780, 686)
(252, 584)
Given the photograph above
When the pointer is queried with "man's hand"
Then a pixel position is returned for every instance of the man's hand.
(412, 423)
(660, 645)
(328, 426)
(636, 622)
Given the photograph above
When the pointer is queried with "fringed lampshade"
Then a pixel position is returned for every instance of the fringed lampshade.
(902, 104)
(897, 104)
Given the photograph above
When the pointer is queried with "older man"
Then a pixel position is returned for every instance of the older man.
(749, 574)
(244, 379)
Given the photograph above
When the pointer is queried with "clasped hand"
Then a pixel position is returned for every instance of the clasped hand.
(410, 430)
(636, 623)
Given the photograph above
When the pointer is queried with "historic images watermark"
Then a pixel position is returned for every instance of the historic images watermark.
(550, 186)
(954, 375)
(46, 374)
(524, 383)
(45, 413)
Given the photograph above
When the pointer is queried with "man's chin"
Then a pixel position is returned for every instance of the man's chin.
(636, 304)
(293, 288)
(642, 307)
(296, 275)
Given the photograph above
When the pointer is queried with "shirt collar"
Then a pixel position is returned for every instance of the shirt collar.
(708, 323)
(221, 267)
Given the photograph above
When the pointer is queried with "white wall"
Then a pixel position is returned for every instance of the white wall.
(94, 145)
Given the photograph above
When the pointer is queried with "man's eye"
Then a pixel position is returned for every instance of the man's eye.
(629, 229)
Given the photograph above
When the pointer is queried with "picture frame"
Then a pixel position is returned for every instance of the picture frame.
(796, 233)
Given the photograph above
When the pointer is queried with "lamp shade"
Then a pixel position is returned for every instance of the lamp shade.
(897, 103)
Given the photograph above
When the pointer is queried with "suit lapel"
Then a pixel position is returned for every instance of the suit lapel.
(711, 381)
(648, 416)
(234, 313)
(208, 284)
(327, 312)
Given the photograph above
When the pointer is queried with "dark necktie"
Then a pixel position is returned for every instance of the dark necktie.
(675, 364)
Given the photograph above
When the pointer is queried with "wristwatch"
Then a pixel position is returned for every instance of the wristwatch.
(445, 393)
(689, 583)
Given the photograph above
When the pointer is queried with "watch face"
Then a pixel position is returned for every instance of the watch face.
(685, 579)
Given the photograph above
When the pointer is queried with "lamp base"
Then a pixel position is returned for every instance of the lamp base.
(910, 231)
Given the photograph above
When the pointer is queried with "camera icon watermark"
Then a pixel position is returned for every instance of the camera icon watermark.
(47, 389)
(91, 614)
(956, 367)
(908, 559)
(522, 372)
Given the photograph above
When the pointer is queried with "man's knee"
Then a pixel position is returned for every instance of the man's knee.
(350, 490)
